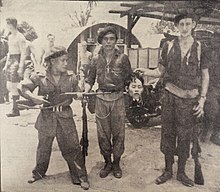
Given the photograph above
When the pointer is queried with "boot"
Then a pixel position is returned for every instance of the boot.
(181, 175)
(15, 111)
(84, 183)
(107, 168)
(117, 172)
(167, 174)
(35, 176)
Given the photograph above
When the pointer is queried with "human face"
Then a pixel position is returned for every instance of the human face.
(51, 39)
(60, 64)
(135, 89)
(109, 41)
(185, 27)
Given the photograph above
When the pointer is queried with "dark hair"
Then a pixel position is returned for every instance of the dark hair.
(12, 21)
(50, 35)
(183, 16)
(133, 77)
(108, 29)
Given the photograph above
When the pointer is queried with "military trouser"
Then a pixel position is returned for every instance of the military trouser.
(70, 149)
(110, 117)
(178, 122)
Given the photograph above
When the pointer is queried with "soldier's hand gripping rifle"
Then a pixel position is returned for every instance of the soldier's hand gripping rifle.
(196, 150)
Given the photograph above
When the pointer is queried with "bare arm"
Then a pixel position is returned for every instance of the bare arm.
(22, 46)
(158, 72)
(199, 109)
(32, 49)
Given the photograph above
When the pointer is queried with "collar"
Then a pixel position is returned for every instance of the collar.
(116, 52)
(50, 78)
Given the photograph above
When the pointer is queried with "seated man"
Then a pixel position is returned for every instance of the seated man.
(56, 117)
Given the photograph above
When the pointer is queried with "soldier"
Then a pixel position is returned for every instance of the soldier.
(212, 107)
(14, 66)
(56, 121)
(111, 69)
(184, 68)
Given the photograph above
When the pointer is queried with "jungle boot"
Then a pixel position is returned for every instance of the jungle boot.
(117, 172)
(107, 168)
(181, 175)
(15, 111)
(168, 172)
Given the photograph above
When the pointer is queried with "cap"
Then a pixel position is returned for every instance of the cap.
(108, 29)
(55, 52)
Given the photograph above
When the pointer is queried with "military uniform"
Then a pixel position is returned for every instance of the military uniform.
(57, 122)
(177, 113)
(110, 108)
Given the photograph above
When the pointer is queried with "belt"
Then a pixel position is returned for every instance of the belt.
(56, 108)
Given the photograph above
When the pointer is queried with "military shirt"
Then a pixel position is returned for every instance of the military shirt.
(185, 74)
(110, 76)
(47, 119)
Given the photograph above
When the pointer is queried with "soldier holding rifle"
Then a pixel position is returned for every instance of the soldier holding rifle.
(56, 117)
(111, 69)
(184, 67)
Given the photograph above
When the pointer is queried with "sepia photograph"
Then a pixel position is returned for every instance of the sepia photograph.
(110, 96)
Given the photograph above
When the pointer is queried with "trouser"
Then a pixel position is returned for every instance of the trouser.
(110, 116)
(212, 111)
(70, 149)
(178, 122)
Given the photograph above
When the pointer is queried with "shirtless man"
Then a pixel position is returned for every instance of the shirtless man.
(14, 66)
(83, 64)
(51, 40)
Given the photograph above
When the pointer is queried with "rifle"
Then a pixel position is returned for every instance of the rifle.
(196, 150)
(84, 142)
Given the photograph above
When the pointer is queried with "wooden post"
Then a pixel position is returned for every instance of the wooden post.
(128, 36)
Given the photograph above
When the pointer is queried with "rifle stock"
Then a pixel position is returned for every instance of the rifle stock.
(198, 175)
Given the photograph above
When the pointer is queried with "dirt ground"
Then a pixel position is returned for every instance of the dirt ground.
(141, 163)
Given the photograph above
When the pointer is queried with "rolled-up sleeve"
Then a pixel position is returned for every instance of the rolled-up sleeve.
(205, 58)
(92, 72)
(30, 83)
(126, 66)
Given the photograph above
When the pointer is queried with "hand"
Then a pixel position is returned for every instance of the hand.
(20, 72)
(4, 69)
(199, 109)
(139, 70)
(79, 96)
(38, 100)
